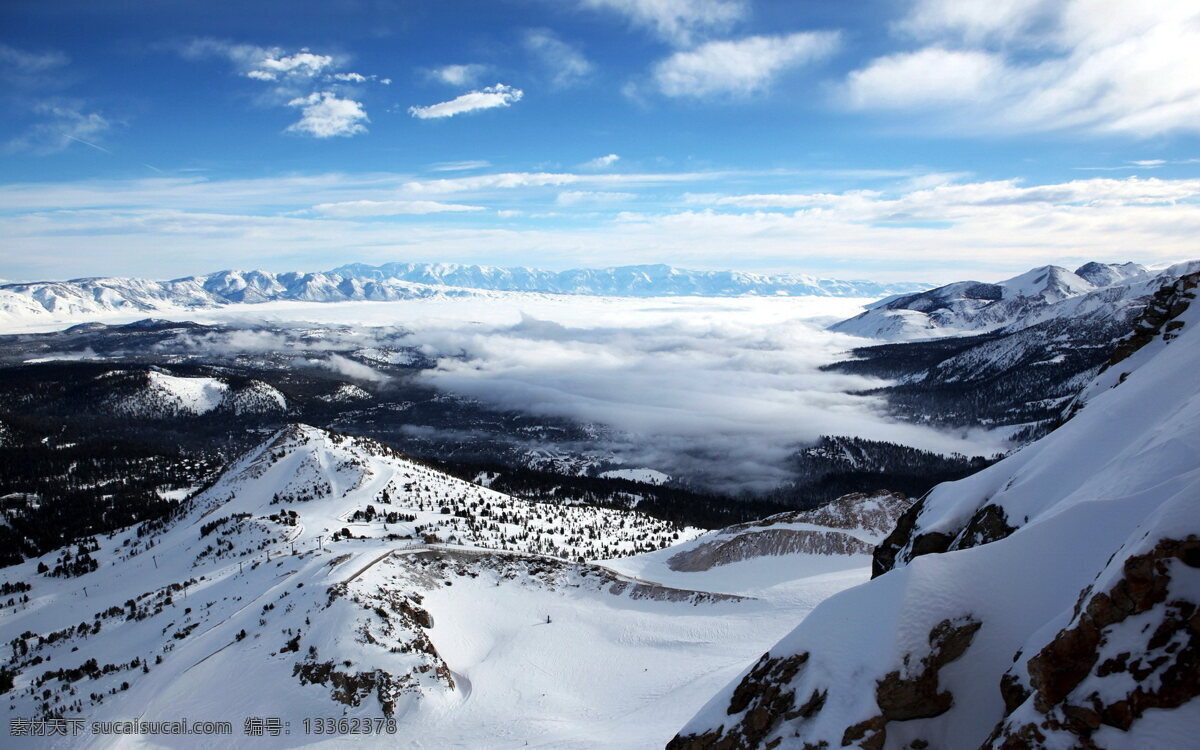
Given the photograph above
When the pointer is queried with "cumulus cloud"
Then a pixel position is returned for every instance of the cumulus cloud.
(566, 65)
(489, 97)
(1034, 65)
(740, 67)
(929, 76)
(325, 115)
(676, 21)
(351, 209)
(316, 84)
(458, 75)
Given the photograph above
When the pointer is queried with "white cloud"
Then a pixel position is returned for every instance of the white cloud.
(302, 63)
(939, 232)
(974, 20)
(933, 75)
(263, 63)
(676, 21)
(516, 180)
(458, 75)
(316, 83)
(740, 67)
(573, 197)
(26, 68)
(600, 162)
(490, 97)
(62, 122)
(565, 64)
(324, 115)
(1030, 65)
(697, 390)
(59, 121)
(352, 209)
(460, 166)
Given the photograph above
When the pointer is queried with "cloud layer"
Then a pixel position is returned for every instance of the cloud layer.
(719, 392)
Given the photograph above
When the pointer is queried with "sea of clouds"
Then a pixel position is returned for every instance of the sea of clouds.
(719, 391)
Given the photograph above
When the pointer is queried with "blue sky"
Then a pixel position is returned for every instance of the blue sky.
(915, 139)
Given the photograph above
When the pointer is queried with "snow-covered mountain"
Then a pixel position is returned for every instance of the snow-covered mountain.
(1047, 601)
(622, 281)
(1095, 292)
(327, 576)
(402, 281)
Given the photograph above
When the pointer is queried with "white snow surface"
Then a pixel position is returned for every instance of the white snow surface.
(647, 476)
(622, 663)
(165, 393)
(1121, 474)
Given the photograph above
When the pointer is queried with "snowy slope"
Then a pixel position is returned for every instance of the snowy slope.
(327, 576)
(1056, 614)
(1094, 292)
(156, 393)
(357, 282)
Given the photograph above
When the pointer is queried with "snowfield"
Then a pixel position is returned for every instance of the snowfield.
(327, 576)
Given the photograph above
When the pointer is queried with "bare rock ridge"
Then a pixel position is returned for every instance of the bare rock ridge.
(850, 525)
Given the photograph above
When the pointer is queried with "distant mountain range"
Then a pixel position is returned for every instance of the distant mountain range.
(399, 281)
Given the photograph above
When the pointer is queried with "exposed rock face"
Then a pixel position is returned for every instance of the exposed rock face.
(767, 697)
(849, 525)
(765, 543)
(908, 694)
(763, 700)
(1131, 648)
(1159, 316)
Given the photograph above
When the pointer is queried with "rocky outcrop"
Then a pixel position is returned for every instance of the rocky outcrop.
(1159, 317)
(764, 544)
(1130, 648)
(763, 699)
(766, 698)
(849, 525)
(905, 543)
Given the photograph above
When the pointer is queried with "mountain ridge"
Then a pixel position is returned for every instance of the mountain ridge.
(404, 281)
(1093, 292)
(1042, 602)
